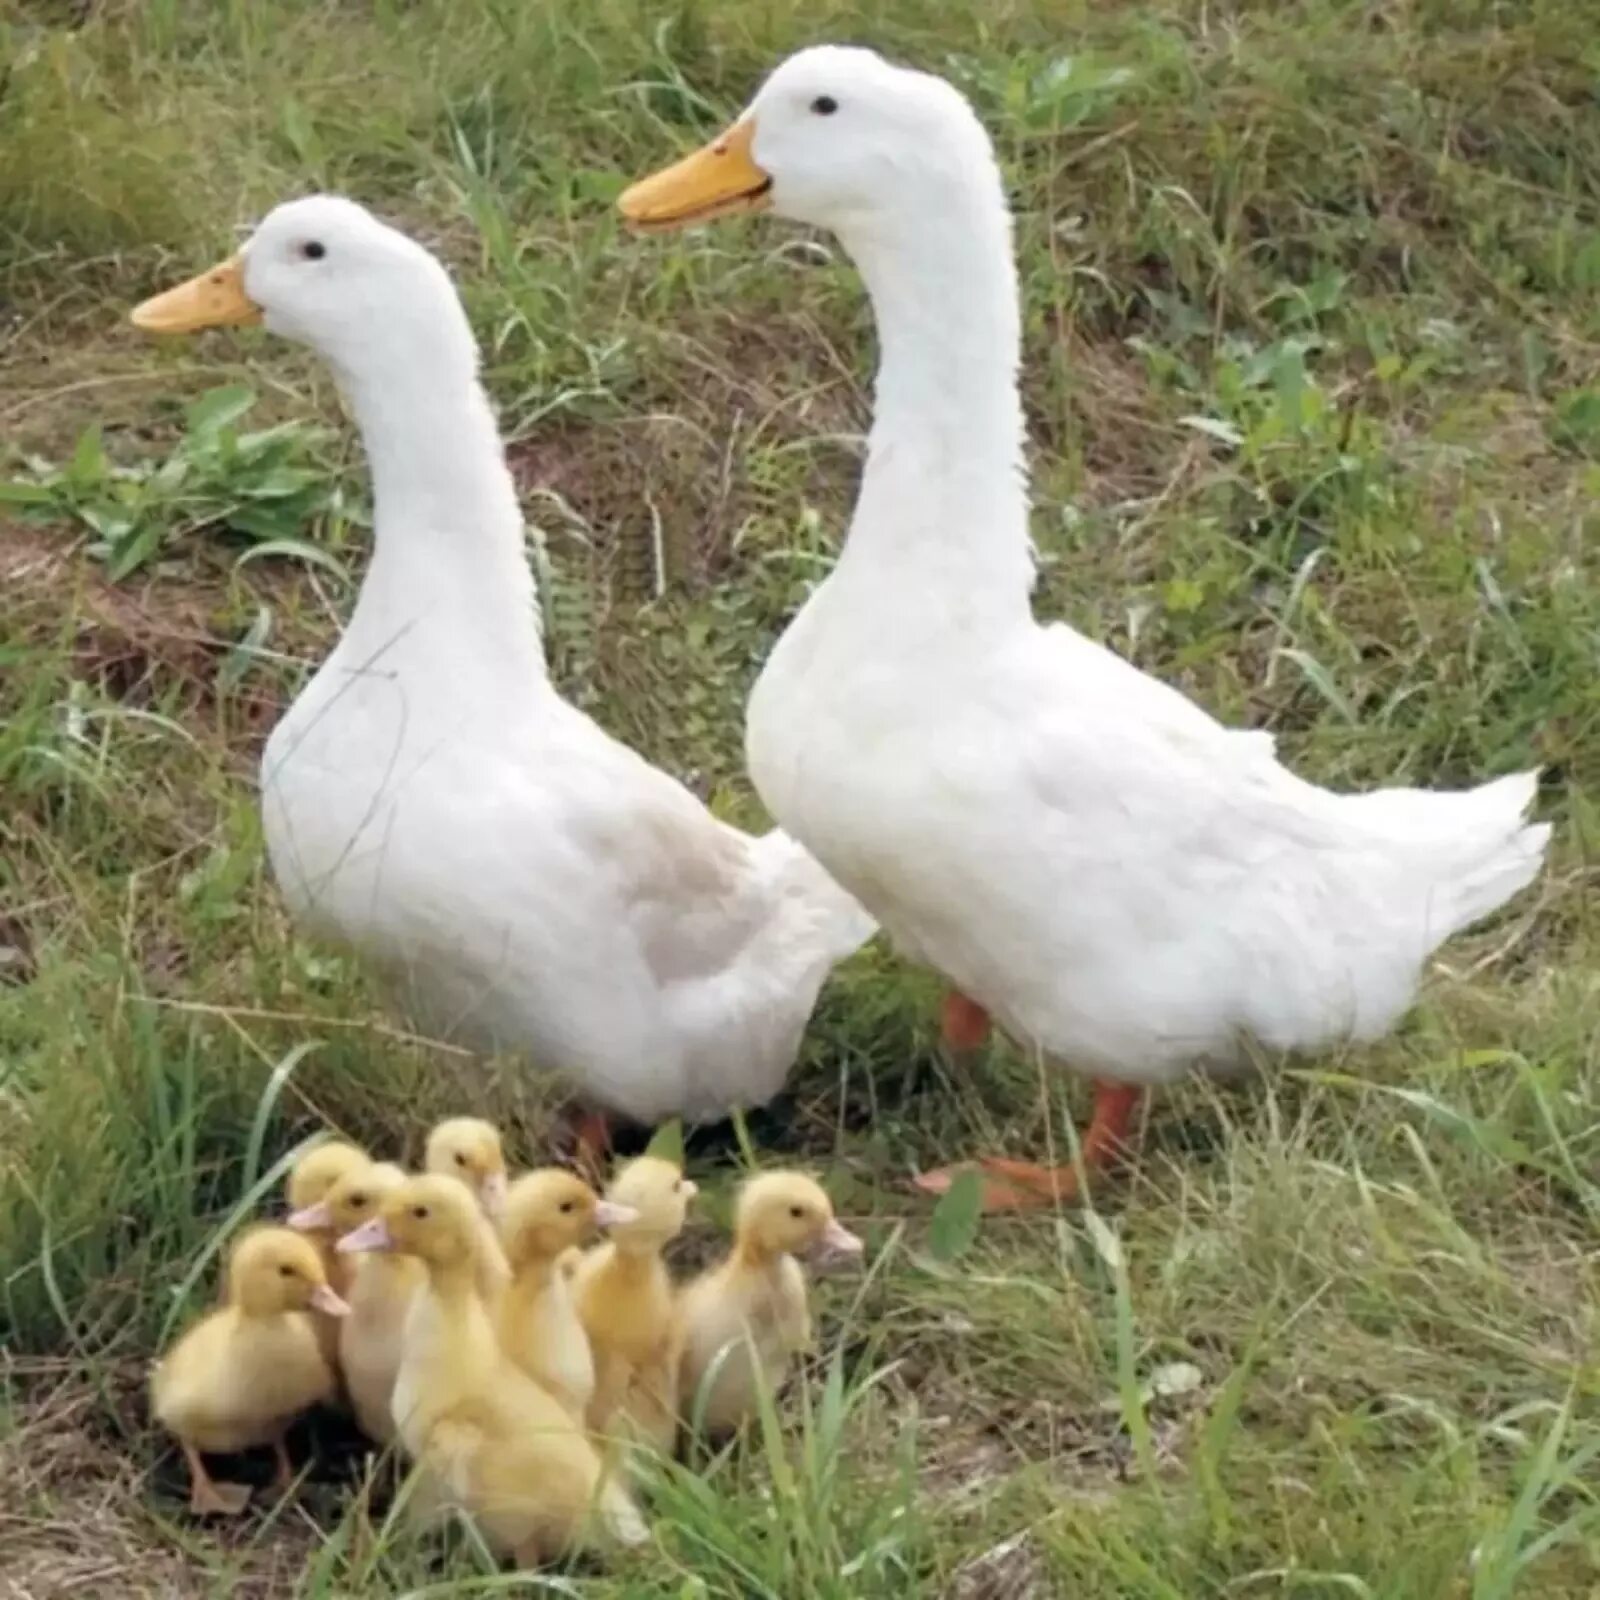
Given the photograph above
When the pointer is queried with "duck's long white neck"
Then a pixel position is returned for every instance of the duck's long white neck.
(944, 498)
(448, 567)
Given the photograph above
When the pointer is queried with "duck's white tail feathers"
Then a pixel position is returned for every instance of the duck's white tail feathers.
(842, 927)
(1478, 845)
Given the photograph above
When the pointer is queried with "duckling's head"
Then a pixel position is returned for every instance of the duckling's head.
(325, 272)
(837, 137)
(431, 1217)
(787, 1213)
(658, 1195)
(272, 1270)
(356, 1198)
(313, 1175)
(550, 1211)
(469, 1148)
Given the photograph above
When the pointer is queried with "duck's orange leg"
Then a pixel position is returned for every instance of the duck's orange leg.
(963, 1024)
(1023, 1185)
(591, 1145)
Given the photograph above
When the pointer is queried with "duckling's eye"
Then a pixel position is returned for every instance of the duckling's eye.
(568, 1205)
(419, 1212)
(461, 1160)
(797, 1212)
(824, 105)
(313, 249)
(285, 1272)
(358, 1199)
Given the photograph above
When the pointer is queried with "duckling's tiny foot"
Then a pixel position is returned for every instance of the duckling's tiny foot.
(207, 1497)
(283, 1481)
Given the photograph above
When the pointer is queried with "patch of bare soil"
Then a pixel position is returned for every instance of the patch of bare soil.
(138, 641)
(92, 1503)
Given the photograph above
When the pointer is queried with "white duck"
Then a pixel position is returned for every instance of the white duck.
(429, 798)
(1117, 878)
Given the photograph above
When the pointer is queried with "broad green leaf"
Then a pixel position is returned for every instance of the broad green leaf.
(956, 1218)
(218, 408)
(133, 552)
(88, 464)
(17, 493)
(666, 1143)
(295, 550)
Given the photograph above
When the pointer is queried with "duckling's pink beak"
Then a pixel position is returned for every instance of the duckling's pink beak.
(608, 1214)
(311, 1219)
(836, 1246)
(371, 1235)
(493, 1195)
(324, 1299)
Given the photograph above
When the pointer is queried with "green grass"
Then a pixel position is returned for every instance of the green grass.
(1313, 320)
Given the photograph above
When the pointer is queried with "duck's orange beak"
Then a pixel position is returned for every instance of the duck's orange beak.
(721, 180)
(216, 299)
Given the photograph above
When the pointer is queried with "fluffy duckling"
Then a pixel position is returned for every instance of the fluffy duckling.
(548, 1214)
(753, 1304)
(306, 1188)
(469, 1149)
(382, 1286)
(486, 1437)
(625, 1298)
(241, 1375)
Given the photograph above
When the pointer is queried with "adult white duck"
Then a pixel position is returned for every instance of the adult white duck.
(431, 800)
(1082, 852)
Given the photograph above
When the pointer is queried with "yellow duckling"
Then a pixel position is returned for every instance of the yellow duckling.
(485, 1436)
(548, 1214)
(469, 1149)
(382, 1287)
(625, 1299)
(307, 1186)
(753, 1305)
(241, 1375)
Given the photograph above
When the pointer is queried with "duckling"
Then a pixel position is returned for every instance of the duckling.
(548, 1214)
(753, 1304)
(485, 1436)
(382, 1287)
(241, 1375)
(625, 1298)
(306, 1188)
(469, 1149)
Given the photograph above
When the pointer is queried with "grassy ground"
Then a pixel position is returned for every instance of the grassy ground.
(1313, 320)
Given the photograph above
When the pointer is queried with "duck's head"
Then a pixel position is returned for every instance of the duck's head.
(658, 1195)
(313, 1175)
(550, 1211)
(430, 1217)
(272, 1270)
(836, 137)
(787, 1213)
(469, 1148)
(356, 1198)
(325, 272)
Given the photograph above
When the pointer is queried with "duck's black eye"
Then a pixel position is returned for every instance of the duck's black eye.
(358, 1199)
(567, 1205)
(419, 1212)
(313, 249)
(285, 1272)
(797, 1212)
(824, 105)
(461, 1160)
